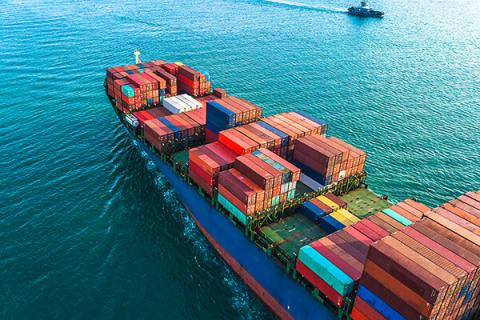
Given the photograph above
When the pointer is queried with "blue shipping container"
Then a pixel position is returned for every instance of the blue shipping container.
(330, 224)
(279, 133)
(311, 211)
(175, 130)
(378, 304)
(214, 108)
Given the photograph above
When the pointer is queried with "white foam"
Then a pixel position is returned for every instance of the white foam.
(308, 6)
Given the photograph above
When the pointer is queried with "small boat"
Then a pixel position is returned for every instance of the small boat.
(365, 11)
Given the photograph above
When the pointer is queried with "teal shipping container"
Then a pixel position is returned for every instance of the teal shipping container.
(326, 270)
(128, 91)
(291, 194)
(232, 209)
(396, 216)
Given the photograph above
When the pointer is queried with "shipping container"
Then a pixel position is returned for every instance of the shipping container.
(326, 270)
(210, 158)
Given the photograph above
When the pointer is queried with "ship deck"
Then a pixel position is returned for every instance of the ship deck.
(362, 202)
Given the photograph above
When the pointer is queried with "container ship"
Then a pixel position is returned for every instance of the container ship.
(287, 206)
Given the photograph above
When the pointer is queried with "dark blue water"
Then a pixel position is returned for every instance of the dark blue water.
(88, 229)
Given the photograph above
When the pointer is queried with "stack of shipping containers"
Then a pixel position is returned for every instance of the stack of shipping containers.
(329, 212)
(135, 86)
(192, 82)
(327, 160)
(428, 270)
(256, 182)
(187, 128)
(138, 86)
(206, 162)
(295, 125)
(334, 264)
(227, 113)
(248, 138)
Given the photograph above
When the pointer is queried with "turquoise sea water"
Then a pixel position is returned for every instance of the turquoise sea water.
(89, 230)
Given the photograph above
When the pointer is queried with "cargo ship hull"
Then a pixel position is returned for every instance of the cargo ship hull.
(285, 297)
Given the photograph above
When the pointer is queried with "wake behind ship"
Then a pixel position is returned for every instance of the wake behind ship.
(287, 207)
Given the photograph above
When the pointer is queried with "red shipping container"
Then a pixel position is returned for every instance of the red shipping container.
(171, 68)
(417, 205)
(410, 209)
(239, 189)
(271, 170)
(304, 128)
(161, 83)
(394, 301)
(473, 195)
(462, 205)
(388, 229)
(404, 213)
(395, 285)
(381, 232)
(357, 315)
(219, 93)
(461, 213)
(143, 116)
(348, 248)
(366, 309)
(257, 174)
(188, 72)
(205, 176)
(361, 245)
(210, 136)
(309, 126)
(457, 220)
(201, 183)
(247, 210)
(318, 283)
(338, 257)
(407, 271)
(359, 235)
(472, 237)
(321, 205)
(237, 142)
(471, 202)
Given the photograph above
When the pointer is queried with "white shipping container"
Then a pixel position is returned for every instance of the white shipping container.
(186, 102)
(181, 105)
(175, 105)
(192, 101)
(292, 185)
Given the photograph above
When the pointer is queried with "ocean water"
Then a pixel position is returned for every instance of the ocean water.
(88, 228)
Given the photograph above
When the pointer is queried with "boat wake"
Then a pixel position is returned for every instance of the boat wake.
(307, 6)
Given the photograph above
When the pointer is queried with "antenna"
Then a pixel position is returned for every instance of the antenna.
(137, 54)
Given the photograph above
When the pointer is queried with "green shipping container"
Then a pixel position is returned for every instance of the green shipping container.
(275, 200)
(291, 194)
(232, 209)
(326, 270)
(396, 216)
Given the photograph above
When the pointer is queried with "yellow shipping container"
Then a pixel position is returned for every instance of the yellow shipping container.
(329, 202)
(337, 215)
(349, 215)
